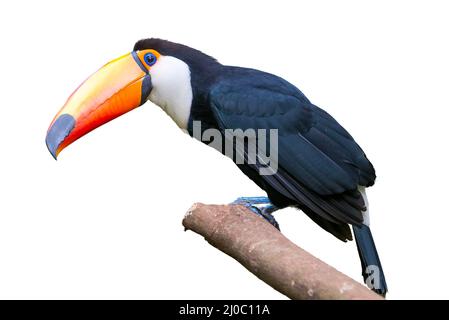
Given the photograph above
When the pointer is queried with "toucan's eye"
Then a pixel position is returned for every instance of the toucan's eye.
(150, 59)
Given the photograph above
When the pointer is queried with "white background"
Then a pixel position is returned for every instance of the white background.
(104, 221)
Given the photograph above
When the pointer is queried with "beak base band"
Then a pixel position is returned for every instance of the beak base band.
(136, 58)
(146, 88)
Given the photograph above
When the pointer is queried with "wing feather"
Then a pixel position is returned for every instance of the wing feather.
(320, 164)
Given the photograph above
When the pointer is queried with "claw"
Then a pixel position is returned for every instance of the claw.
(255, 204)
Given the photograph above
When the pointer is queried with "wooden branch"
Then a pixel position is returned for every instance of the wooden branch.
(265, 252)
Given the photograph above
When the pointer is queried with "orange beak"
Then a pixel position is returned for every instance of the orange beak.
(118, 87)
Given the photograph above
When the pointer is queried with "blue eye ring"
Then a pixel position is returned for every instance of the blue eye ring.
(150, 59)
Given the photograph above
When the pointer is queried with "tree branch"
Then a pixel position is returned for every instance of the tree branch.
(265, 252)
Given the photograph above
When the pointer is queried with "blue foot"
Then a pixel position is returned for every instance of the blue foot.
(252, 200)
(261, 206)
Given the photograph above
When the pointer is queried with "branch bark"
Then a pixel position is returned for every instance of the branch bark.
(265, 252)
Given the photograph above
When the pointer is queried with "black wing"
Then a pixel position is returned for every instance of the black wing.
(320, 164)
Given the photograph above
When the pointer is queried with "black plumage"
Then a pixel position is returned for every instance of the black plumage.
(320, 164)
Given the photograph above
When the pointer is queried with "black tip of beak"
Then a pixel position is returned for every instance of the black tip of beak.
(60, 129)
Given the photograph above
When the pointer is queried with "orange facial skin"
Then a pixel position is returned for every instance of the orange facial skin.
(116, 88)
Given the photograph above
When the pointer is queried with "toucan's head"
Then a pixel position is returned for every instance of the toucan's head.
(158, 70)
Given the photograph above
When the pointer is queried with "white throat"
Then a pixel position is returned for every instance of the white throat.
(172, 90)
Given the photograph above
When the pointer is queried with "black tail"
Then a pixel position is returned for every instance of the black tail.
(371, 267)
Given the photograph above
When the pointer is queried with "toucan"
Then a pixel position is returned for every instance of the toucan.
(319, 168)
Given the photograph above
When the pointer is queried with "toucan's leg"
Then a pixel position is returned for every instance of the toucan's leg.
(261, 206)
